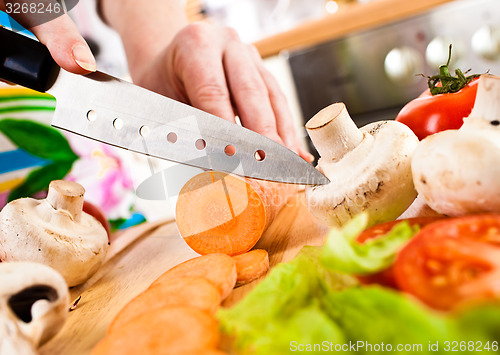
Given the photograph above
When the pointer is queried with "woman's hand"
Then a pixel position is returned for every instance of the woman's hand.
(66, 45)
(208, 67)
(200, 64)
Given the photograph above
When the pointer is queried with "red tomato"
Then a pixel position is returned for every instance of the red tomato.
(429, 114)
(97, 213)
(386, 277)
(452, 262)
(384, 228)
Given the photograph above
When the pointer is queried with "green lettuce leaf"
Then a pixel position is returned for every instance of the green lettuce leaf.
(359, 318)
(376, 315)
(308, 325)
(302, 306)
(481, 322)
(284, 306)
(343, 253)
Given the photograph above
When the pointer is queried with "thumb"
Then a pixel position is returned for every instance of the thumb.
(65, 44)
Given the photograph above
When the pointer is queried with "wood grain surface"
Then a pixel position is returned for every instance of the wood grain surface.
(129, 272)
(140, 255)
(293, 228)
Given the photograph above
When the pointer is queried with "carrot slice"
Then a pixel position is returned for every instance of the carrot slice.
(217, 212)
(250, 266)
(165, 331)
(218, 268)
(195, 292)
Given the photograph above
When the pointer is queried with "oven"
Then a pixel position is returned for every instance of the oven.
(375, 72)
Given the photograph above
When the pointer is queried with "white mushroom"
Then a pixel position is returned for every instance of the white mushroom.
(369, 168)
(34, 301)
(55, 232)
(457, 171)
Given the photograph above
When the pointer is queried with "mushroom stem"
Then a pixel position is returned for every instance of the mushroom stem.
(487, 104)
(68, 196)
(333, 132)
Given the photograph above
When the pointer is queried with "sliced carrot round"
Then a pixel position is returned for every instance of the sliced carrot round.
(250, 266)
(165, 331)
(217, 212)
(218, 268)
(195, 292)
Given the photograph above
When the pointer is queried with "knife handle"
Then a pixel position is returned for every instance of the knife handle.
(26, 62)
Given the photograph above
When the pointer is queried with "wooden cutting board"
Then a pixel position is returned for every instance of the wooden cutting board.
(141, 254)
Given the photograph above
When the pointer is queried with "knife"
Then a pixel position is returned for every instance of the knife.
(112, 111)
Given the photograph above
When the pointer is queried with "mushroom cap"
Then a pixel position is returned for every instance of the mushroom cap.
(457, 171)
(374, 177)
(32, 230)
(34, 299)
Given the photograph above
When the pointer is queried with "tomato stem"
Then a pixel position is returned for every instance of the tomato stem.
(449, 83)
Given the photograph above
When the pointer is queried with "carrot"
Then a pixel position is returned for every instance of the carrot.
(250, 266)
(193, 292)
(165, 331)
(218, 268)
(217, 212)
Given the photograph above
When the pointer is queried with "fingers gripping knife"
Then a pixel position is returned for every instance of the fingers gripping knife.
(107, 109)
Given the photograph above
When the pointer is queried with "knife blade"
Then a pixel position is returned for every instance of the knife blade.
(115, 112)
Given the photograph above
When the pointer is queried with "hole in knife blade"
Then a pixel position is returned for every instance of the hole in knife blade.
(230, 150)
(172, 137)
(144, 131)
(118, 123)
(260, 155)
(91, 115)
(200, 144)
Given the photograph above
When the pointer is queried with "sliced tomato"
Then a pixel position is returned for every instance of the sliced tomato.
(452, 262)
(386, 277)
(384, 228)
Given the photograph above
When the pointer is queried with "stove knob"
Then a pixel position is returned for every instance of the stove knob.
(486, 42)
(402, 64)
(437, 51)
